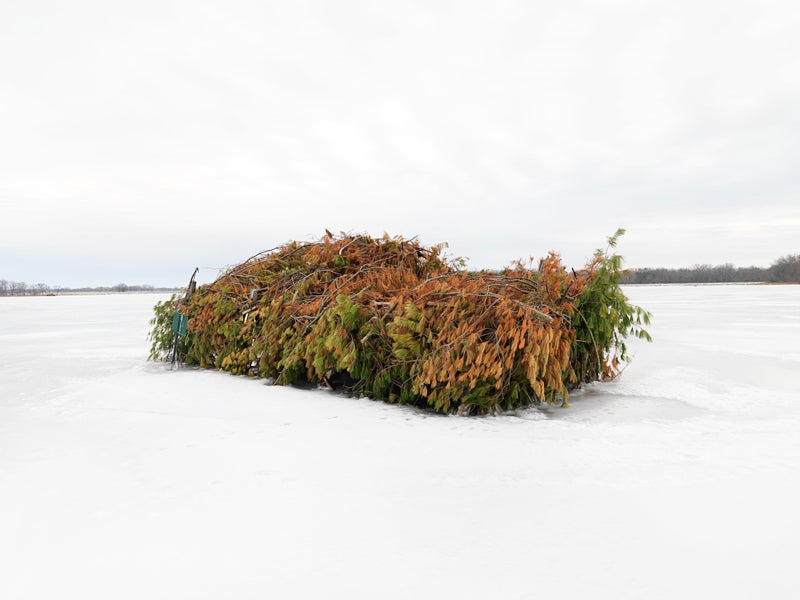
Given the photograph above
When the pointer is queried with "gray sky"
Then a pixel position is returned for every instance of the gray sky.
(141, 139)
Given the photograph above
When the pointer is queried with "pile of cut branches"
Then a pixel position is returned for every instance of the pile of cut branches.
(394, 320)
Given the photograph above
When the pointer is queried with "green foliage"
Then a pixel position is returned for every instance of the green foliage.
(604, 319)
(161, 334)
(332, 345)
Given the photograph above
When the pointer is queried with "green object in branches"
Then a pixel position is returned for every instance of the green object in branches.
(180, 324)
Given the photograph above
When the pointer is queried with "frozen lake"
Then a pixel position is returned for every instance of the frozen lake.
(121, 479)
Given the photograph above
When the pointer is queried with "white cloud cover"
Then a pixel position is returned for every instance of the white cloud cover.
(139, 139)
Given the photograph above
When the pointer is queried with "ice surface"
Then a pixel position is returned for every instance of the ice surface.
(121, 479)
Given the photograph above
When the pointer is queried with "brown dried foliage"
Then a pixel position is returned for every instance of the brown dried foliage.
(394, 320)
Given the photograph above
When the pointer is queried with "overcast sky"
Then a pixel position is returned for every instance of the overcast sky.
(141, 139)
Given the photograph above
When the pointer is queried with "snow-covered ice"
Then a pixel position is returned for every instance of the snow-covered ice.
(122, 479)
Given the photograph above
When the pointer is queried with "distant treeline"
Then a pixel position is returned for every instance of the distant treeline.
(785, 270)
(20, 288)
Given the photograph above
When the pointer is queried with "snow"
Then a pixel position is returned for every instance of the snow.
(122, 479)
